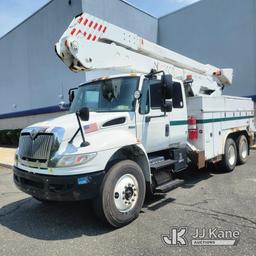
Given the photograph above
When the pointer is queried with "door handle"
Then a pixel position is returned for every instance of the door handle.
(167, 130)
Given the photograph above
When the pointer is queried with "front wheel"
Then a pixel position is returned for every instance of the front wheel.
(122, 194)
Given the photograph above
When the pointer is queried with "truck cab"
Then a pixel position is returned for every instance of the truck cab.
(128, 120)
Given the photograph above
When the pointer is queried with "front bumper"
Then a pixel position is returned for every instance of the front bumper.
(58, 188)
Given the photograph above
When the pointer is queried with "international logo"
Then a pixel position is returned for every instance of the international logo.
(33, 134)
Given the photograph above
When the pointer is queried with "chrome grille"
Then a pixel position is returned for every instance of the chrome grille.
(37, 148)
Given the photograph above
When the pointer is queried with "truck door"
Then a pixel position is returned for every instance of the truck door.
(178, 116)
(152, 124)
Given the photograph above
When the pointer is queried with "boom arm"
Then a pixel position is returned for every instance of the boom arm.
(90, 43)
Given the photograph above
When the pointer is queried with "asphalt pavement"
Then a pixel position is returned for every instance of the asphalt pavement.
(208, 201)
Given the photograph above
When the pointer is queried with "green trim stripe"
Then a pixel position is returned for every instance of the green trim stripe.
(225, 119)
(179, 122)
(211, 120)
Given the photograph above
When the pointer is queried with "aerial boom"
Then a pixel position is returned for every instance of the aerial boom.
(90, 43)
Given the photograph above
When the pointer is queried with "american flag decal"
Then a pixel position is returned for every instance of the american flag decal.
(90, 128)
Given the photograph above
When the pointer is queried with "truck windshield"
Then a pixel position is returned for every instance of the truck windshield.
(112, 95)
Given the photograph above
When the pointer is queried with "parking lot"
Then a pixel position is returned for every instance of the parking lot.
(208, 199)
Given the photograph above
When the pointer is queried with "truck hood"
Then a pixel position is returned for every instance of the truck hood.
(65, 126)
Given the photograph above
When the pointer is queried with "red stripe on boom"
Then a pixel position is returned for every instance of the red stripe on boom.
(73, 31)
(100, 27)
(85, 22)
(90, 24)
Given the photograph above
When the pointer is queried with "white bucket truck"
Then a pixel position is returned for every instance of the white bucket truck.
(144, 115)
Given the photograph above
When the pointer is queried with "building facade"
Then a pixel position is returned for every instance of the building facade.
(219, 32)
(33, 80)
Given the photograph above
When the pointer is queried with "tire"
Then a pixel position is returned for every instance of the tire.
(242, 149)
(121, 195)
(229, 159)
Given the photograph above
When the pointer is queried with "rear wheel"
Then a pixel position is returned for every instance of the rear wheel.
(122, 194)
(229, 159)
(242, 149)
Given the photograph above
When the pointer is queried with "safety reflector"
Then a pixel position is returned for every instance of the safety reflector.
(100, 27)
(90, 24)
(73, 31)
(85, 22)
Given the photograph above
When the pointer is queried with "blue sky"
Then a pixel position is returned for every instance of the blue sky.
(12, 12)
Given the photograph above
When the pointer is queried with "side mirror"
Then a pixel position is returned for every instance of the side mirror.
(167, 88)
(63, 105)
(84, 114)
(71, 96)
(166, 107)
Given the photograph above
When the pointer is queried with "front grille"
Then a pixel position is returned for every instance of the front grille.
(37, 148)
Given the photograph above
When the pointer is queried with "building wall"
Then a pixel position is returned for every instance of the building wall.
(123, 15)
(33, 80)
(32, 76)
(219, 32)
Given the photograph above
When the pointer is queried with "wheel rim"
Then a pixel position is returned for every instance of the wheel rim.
(244, 149)
(126, 193)
(231, 155)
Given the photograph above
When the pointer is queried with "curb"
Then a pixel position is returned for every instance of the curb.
(9, 166)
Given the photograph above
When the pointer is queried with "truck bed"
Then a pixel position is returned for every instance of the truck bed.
(216, 117)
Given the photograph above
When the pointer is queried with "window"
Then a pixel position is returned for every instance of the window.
(155, 94)
(112, 95)
(177, 99)
(151, 90)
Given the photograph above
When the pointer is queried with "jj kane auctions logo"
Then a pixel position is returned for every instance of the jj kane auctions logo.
(178, 236)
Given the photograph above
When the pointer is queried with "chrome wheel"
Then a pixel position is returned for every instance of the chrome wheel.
(244, 149)
(126, 193)
(231, 155)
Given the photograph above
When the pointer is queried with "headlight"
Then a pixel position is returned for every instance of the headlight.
(72, 160)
